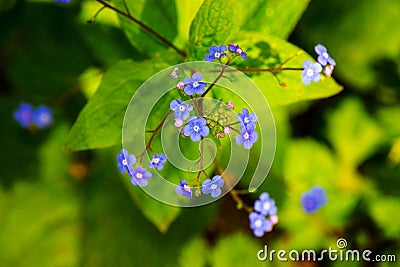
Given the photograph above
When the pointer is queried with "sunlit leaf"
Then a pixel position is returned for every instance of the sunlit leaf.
(100, 122)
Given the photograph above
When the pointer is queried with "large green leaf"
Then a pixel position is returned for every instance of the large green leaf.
(187, 11)
(100, 122)
(159, 15)
(158, 213)
(267, 51)
(277, 18)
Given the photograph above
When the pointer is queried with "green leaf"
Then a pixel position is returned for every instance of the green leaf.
(159, 15)
(158, 213)
(277, 18)
(266, 52)
(187, 11)
(218, 22)
(352, 132)
(100, 122)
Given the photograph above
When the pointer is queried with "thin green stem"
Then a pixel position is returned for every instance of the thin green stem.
(144, 26)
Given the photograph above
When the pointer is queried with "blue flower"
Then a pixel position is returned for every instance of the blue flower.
(42, 116)
(236, 49)
(139, 176)
(195, 128)
(313, 199)
(246, 118)
(125, 161)
(323, 56)
(174, 73)
(24, 114)
(247, 137)
(184, 189)
(259, 224)
(194, 85)
(181, 110)
(265, 205)
(62, 1)
(216, 53)
(213, 186)
(157, 161)
(311, 72)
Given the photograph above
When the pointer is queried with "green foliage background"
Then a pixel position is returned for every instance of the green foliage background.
(63, 202)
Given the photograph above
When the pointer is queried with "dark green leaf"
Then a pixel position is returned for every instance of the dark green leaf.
(159, 15)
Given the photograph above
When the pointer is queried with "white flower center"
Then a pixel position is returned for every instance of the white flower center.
(44, 118)
(258, 223)
(186, 188)
(217, 55)
(139, 175)
(239, 51)
(156, 160)
(195, 84)
(181, 107)
(266, 206)
(325, 55)
(196, 128)
(213, 186)
(246, 120)
(125, 162)
(246, 136)
(310, 72)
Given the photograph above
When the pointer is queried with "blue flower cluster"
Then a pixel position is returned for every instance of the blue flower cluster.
(248, 136)
(218, 52)
(27, 115)
(209, 186)
(312, 71)
(263, 207)
(139, 175)
(313, 199)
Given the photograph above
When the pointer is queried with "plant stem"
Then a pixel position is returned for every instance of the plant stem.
(153, 135)
(144, 26)
(201, 159)
(217, 78)
(267, 69)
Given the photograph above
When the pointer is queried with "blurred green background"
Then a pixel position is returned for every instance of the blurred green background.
(73, 209)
